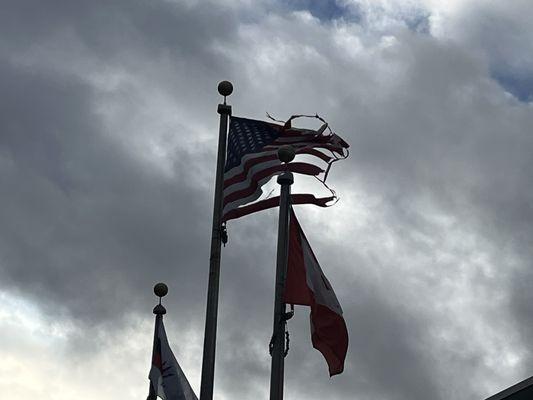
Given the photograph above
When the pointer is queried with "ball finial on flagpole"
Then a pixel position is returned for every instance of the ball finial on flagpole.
(160, 289)
(286, 153)
(225, 88)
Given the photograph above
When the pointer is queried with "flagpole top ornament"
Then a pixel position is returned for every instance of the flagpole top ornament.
(286, 153)
(225, 88)
(160, 290)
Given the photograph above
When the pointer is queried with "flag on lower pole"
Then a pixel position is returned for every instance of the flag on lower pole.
(307, 285)
(167, 379)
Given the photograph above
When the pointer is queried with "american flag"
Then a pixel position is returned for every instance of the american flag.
(252, 161)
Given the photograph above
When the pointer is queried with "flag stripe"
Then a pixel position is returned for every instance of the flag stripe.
(249, 186)
(247, 158)
(245, 200)
(244, 168)
(328, 146)
(296, 139)
(271, 149)
(302, 198)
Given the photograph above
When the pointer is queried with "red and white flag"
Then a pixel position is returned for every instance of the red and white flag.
(167, 380)
(306, 285)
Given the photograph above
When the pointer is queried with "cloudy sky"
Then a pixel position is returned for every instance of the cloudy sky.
(108, 130)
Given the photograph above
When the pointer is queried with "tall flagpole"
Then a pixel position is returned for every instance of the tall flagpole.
(285, 154)
(160, 290)
(225, 88)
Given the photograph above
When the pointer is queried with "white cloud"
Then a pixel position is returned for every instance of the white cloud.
(424, 247)
(39, 359)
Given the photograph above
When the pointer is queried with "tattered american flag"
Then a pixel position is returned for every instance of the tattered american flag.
(252, 160)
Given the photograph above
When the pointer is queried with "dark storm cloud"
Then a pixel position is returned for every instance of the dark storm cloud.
(106, 26)
(84, 225)
(87, 228)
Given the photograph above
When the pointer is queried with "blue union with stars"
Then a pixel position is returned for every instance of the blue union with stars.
(248, 136)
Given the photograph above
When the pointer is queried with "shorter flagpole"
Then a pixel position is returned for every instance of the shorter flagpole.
(277, 344)
(167, 379)
(160, 290)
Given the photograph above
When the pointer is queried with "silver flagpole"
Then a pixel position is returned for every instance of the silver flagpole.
(277, 344)
(225, 88)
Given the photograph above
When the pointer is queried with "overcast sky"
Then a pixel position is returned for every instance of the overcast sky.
(108, 131)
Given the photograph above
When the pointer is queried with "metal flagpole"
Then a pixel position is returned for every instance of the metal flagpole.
(277, 344)
(225, 88)
(160, 290)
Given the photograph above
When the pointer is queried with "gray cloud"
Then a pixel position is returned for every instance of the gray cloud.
(502, 34)
(78, 210)
(106, 159)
